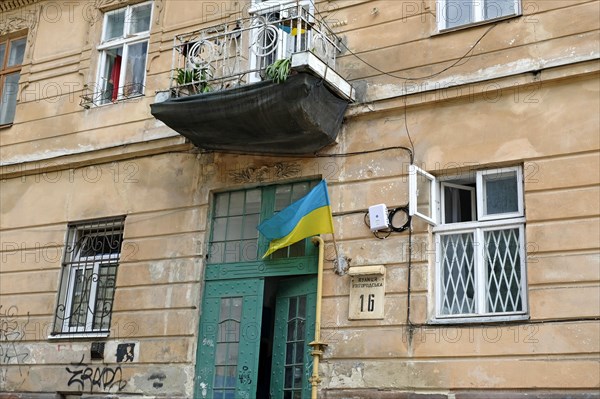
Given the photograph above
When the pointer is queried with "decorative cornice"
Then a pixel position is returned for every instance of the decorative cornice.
(254, 174)
(105, 5)
(8, 5)
(15, 24)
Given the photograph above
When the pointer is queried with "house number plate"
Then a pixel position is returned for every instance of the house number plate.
(367, 292)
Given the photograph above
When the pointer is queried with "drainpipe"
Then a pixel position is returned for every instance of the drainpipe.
(317, 345)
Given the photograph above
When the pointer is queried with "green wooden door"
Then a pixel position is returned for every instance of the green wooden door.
(229, 340)
(231, 323)
(294, 330)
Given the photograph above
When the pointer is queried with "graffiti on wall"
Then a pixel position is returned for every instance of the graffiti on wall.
(104, 378)
(11, 334)
(125, 352)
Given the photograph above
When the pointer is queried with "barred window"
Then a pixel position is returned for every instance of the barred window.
(89, 273)
(480, 242)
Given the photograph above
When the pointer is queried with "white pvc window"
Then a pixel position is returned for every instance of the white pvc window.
(501, 193)
(457, 13)
(422, 200)
(479, 232)
(124, 50)
(480, 273)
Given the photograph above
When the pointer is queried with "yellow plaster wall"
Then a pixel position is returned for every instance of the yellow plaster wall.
(549, 125)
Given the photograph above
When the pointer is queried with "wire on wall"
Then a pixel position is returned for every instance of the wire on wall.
(349, 154)
(391, 228)
(466, 55)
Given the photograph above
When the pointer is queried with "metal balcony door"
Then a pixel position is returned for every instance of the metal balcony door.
(294, 330)
(229, 340)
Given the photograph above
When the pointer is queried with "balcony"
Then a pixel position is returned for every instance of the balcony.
(222, 97)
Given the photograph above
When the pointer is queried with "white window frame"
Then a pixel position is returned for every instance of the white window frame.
(482, 188)
(509, 220)
(478, 11)
(443, 198)
(415, 173)
(127, 40)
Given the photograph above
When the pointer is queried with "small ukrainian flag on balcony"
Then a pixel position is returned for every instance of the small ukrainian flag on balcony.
(308, 216)
(291, 31)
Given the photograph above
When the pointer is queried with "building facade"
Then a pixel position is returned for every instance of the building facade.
(138, 156)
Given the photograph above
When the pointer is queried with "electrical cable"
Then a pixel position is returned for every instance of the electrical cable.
(391, 215)
(348, 154)
(412, 146)
(465, 55)
(391, 229)
(387, 231)
(408, 272)
(456, 63)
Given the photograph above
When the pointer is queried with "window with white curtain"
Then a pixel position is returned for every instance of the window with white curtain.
(479, 230)
(457, 13)
(123, 52)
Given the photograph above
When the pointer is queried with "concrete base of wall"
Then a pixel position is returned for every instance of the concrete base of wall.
(392, 394)
(53, 395)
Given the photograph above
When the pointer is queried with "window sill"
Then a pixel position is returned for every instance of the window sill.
(6, 126)
(474, 24)
(480, 319)
(60, 336)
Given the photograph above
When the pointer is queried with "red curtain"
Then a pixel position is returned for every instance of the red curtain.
(114, 77)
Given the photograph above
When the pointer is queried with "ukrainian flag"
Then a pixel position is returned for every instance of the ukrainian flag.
(308, 216)
(291, 31)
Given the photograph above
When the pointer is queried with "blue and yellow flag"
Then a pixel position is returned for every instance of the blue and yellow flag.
(308, 216)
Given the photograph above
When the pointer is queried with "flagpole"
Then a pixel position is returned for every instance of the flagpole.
(317, 345)
(335, 247)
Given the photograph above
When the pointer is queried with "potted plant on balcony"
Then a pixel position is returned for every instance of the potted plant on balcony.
(279, 71)
(191, 81)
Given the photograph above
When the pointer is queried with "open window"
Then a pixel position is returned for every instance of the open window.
(422, 200)
(123, 52)
(479, 229)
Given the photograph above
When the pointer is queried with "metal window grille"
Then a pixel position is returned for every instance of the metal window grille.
(503, 268)
(480, 246)
(482, 272)
(458, 274)
(89, 271)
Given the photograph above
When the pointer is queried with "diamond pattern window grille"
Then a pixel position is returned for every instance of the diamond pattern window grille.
(481, 272)
(503, 269)
(458, 274)
(480, 258)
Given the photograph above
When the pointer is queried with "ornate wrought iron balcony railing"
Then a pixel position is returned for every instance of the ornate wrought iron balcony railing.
(236, 53)
(221, 98)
